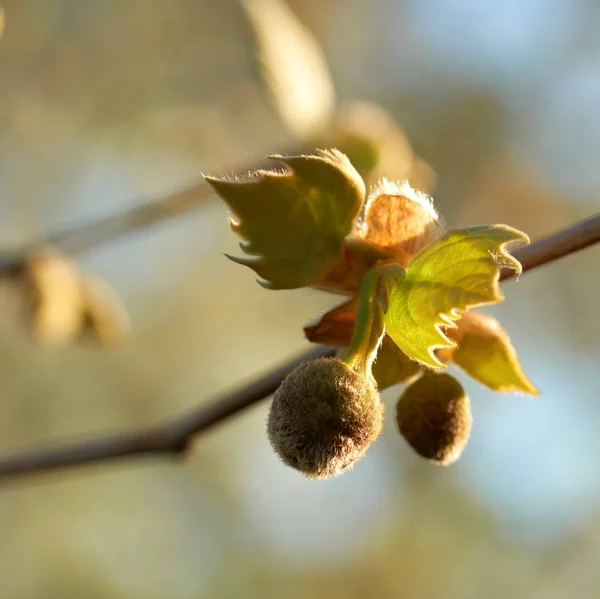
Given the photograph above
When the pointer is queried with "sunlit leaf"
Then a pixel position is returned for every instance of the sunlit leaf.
(293, 68)
(294, 222)
(458, 272)
(484, 352)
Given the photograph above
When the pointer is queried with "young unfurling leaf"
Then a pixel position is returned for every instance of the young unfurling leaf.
(294, 222)
(334, 327)
(458, 272)
(484, 352)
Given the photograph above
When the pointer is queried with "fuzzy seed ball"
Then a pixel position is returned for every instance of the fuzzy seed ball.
(323, 418)
(434, 416)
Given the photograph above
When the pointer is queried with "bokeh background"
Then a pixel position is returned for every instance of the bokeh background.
(105, 105)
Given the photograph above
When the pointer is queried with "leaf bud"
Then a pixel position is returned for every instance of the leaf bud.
(400, 218)
(323, 417)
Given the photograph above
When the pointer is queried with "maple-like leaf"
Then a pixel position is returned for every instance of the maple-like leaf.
(294, 222)
(458, 272)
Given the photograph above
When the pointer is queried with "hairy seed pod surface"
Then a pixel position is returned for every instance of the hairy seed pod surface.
(434, 416)
(323, 418)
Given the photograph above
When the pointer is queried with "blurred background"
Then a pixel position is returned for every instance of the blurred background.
(491, 107)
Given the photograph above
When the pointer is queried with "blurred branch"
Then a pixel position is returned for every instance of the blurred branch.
(106, 229)
(560, 244)
(175, 436)
(86, 237)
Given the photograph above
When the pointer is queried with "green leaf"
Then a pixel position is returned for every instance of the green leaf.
(458, 272)
(294, 222)
(485, 353)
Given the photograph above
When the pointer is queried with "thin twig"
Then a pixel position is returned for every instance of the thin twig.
(85, 237)
(555, 246)
(151, 212)
(172, 438)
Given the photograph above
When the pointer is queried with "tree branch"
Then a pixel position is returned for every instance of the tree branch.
(555, 246)
(173, 438)
(103, 230)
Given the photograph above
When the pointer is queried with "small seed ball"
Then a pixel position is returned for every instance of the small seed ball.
(434, 416)
(323, 418)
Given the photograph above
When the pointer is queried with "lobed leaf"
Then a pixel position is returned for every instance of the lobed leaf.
(294, 222)
(458, 272)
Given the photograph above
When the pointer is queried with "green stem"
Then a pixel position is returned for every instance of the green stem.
(369, 327)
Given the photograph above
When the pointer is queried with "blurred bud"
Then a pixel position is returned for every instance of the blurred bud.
(64, 301)
(434, 416)
(400, 219)
(372, 140)
(105, 313)
(57, 297)
(323, 418)
(422, 175)
(293, 68)
(378, 147)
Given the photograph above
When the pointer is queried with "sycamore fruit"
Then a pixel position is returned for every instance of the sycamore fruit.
(324, 417)
(409, 284)
(434, 416)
